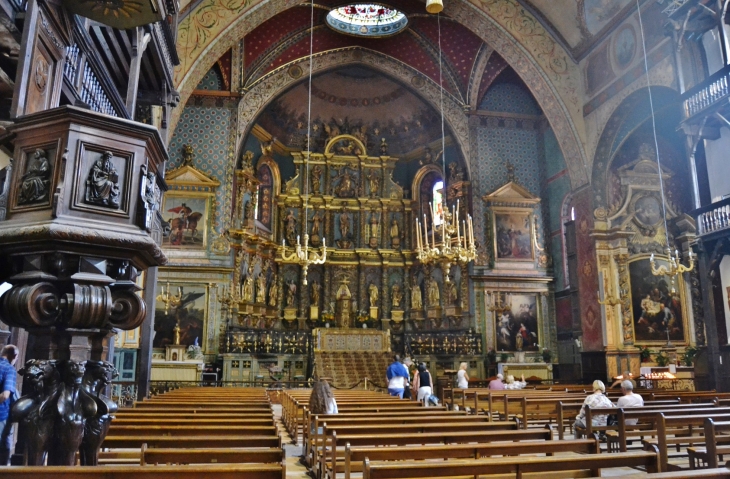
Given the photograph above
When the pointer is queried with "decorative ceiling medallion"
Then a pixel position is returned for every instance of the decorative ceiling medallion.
(367, 20)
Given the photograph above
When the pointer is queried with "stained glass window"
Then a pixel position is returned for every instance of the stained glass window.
(367, 19)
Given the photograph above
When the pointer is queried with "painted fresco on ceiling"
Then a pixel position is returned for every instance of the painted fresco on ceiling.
(356, 101)
(598, 13)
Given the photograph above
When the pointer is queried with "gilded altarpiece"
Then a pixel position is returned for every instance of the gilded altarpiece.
(640, 309)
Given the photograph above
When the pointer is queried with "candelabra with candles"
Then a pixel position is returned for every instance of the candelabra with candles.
(495, 303)
(674, 268)
(229, 298)
(304, 255)
(457, 241)
(168, 299)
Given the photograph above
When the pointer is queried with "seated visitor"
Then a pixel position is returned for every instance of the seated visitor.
(629, 399)
(497, 384)
(510, 383)
(595, 400)
(322, 401)
(619, 379)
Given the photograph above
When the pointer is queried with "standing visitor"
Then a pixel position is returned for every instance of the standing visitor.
(423, 383)
(8, 377)
(322, 401)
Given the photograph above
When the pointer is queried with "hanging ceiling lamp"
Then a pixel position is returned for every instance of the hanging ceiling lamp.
(434, 6)
(302, 254)
(456, 243)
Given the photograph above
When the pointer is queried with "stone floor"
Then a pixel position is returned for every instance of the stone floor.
(294, 469)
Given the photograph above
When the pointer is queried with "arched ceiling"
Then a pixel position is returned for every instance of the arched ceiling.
(276, 32)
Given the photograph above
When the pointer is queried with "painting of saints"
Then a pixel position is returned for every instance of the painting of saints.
(513, 236)
(657, 311)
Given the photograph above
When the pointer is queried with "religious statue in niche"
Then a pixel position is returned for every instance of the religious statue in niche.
(316, 179)
(314, 296)
(290, 228)
(433, 294)
(394, 234)
(396, 296)
(261, 288)
(374, 183)
(416, 297)
(373, 295)
(373, 230)
(36, 182)
(248, 209)
(247, 294)
(274, 292)
(316, 221)
(345, 241)
(102, 185)
(346, 187)
(291, 293)
(450, 294)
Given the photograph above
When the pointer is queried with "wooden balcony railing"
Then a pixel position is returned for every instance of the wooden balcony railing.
(708, 93)
(713, 218)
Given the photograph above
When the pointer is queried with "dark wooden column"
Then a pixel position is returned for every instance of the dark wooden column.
(146, 334)
(708, 368)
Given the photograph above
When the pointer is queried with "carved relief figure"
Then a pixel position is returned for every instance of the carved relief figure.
(416, 297)
(373, 295)
(397, 296)
(314, 297)
(102, 185)
(274, 292)
(344, 241)
(314, 235)
(261, 289)
(456, 172)
(316, 179)
(291, 293)
(373, 230)
(36, 182)
(188, 155)
(290, 228)
(432, 293)
(346, 187)
(247, 160)
(98, 376)
(450, 294)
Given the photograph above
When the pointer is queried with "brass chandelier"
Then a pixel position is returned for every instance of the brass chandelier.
(456, 241)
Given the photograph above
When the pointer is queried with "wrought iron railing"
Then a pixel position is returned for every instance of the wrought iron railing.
(266, 341)
(713, 218)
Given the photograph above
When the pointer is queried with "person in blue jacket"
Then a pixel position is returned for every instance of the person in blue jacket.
(397, 376)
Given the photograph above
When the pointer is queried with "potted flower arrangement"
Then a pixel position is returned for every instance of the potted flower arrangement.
(503, 357)
(689, 355)
(328, 319)
(363, 320)
(661, 359)
(644, 354)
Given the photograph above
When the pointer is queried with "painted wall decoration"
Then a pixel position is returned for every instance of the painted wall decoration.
(188, 217)
(513, 236)
(517, 327)
(656, 310)
(190, 312)
(599, 12)
(624, 46)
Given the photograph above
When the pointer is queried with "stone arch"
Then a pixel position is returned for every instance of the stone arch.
(270, 86)
(625, 119)
(507, 27)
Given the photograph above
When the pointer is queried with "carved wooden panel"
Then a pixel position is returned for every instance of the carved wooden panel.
(103, 184)
(37, 173)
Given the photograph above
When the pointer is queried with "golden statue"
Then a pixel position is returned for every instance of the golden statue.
(176, 332)
(416, 299)
(433, 293)
(394, 234)
(373, 292)
(450, 294)
(314, 298)
(274, 293)
(261, 289)
(397, 296)
(247, 294)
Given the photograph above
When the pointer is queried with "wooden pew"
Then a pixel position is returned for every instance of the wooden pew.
(188, 442)
(155, 456)
(195, 430)
(354, 456)
(719, 473)
(678, 431)
(209, 471)
(706, 457)
(519, 466)
(334, 450)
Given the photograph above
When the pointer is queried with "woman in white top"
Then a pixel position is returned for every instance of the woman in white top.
(510, 383)
(462, 378)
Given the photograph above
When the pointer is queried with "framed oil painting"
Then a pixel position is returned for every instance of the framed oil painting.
(188, 305)
(517, 327)
(658, 313)
(188, 216)
(513, 236)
